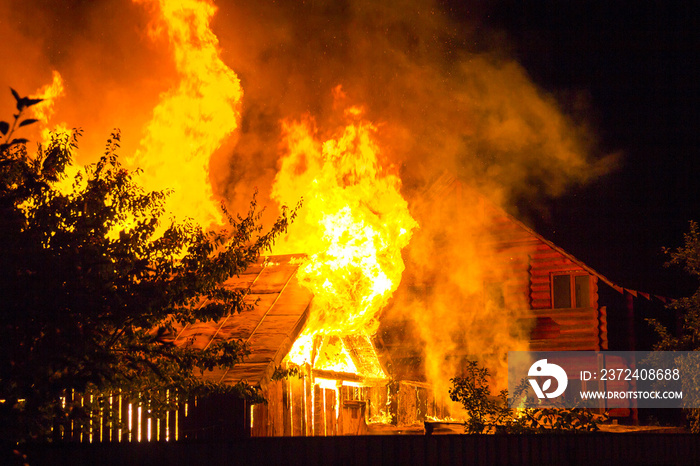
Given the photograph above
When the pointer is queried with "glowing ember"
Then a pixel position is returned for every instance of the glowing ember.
(382, 417)
(353, 226)
(193, 118)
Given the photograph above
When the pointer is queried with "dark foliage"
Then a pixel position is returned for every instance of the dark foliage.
(687, 257)
(492, 414)
(93, 281)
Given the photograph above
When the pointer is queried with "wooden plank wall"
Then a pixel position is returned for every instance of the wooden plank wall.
(295, 407)
(412, 403)
(287, 411)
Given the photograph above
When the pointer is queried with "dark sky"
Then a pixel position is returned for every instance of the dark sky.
(635, 68)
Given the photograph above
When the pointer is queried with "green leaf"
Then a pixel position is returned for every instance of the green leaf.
(4, 127)
(26, 122)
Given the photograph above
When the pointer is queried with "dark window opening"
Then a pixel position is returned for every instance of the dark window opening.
(571, 291)
(582, 286)
(561, 291)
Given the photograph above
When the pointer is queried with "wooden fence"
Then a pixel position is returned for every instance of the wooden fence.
(120, 420)
(572, 449)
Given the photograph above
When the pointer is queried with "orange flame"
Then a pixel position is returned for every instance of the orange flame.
(43, 111)
(193, 118)
(353, 226)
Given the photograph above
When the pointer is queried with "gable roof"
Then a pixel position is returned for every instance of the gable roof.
(447, 183)
(350, 357)
(280, 310)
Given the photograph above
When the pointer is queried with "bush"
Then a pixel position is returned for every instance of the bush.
(491, 414)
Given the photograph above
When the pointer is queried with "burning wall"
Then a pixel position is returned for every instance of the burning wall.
(431, 104)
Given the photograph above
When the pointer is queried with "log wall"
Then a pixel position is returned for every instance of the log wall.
(529, 263)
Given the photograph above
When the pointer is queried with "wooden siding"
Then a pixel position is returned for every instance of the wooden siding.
(529, 262)
(579, 328)
(412, 403)
(300, 407)
(323, 403)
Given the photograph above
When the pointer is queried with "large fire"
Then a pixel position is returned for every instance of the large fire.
(45, 109)
(474, 115)
(194, 117)
(353, 225)
(190, 122)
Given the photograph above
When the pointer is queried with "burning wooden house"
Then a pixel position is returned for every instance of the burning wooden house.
(538, 296)
(338, 336)
(360, 383)
(335, 396)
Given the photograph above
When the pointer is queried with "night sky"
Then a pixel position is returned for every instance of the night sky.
(633, 68)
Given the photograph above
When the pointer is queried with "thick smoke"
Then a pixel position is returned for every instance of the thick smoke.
(440, 105)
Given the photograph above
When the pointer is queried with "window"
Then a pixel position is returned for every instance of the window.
(571, 291)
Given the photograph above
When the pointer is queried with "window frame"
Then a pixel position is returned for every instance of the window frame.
(572, 288)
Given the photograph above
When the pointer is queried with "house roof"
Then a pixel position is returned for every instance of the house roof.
(447, 182)
(350, 355)
(280, 309)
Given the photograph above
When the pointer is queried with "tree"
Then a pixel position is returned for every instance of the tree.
(90, 290)
(687, 257)
(688, 339)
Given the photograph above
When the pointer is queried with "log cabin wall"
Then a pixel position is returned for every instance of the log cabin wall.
(577, 326)
(535, 269)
